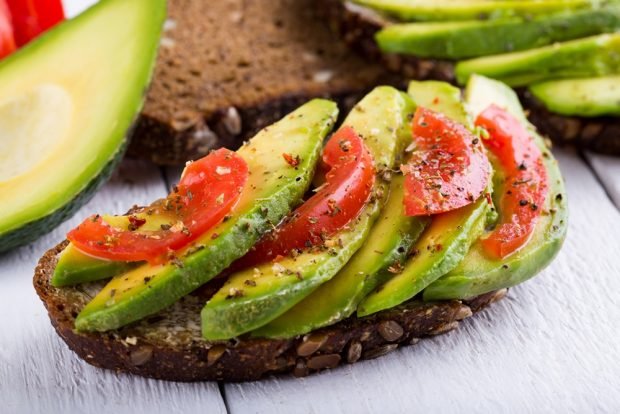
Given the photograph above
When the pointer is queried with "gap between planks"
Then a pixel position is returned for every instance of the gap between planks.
(607, 170)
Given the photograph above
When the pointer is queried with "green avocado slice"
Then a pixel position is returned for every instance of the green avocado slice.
(272, 189)
(68, 100)
(477, 274)
(587, 97)
(75, 267)
(588, 57)
(254, 297)
(385, 250)
(446, 241)
(451, 10)
(474, 38)
(387, 246)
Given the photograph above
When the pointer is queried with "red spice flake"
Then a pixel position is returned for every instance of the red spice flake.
(135, 223)
(489, 199)
(291, 160)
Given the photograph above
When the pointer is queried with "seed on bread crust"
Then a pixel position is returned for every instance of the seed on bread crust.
(382, 350)
(141, 355)
(310, 344)
(355, 352)
(390, 330)
(324, 361)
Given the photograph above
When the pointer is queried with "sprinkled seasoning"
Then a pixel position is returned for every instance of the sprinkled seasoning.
(291, 160)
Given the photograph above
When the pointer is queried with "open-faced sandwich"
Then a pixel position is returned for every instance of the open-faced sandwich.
(563, 56)
(306, 248)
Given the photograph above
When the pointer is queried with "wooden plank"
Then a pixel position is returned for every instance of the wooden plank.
(608, 170)
(38, 373)
(74, 7)
(551, 346)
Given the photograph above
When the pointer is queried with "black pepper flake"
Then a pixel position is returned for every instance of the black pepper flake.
(523, 203)
(249, 282)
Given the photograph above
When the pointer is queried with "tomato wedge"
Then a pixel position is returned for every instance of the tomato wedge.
(208, 190)
(347, 188)
(449, 168)
(33, 17)
(7, 42)
(525, 186)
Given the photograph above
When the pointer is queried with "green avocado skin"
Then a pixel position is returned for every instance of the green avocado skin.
(455, 10)
(468, 39)
(254, 297)
(587, 97)
(271, 191)
(477, 274)
(588, 57)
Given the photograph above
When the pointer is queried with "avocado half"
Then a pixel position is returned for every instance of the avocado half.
(67, 101)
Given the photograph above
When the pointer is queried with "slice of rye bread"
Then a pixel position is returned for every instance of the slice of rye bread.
(357, 26)
(169, 345)
(227, 68)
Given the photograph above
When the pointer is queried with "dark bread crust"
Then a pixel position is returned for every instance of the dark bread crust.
(168, 346)
(357, 26)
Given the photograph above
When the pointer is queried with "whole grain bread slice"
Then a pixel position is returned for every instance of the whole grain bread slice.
(227, 68)
(357, 25)
(169, 345)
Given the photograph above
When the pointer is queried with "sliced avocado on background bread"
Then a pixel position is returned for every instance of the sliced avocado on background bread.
(68, 100)
(152, 320)
(510, 45)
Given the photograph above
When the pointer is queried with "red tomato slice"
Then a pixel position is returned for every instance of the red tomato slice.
(33, 17)
(7, 42)
(208, 190)
(347, 187)
(525, 186)
(449, 168)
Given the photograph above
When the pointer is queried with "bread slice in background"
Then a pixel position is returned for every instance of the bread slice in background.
(357, 25)
(169, 345)
(227, 68)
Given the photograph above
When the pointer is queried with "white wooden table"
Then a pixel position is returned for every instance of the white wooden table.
(551, 346)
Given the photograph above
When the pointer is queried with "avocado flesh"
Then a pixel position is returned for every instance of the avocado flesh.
(253, 297)
(587, 97)
(68, 99)
(468, 39)
(445, 242)
(75, 267)
(478, 274)
(387, 247)
(588, 57)
(454, 10)
(273, 187)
